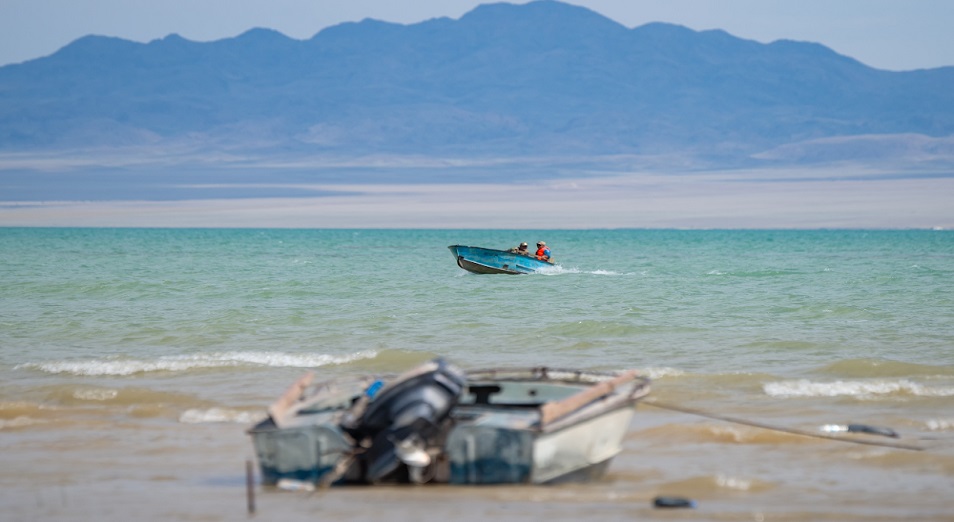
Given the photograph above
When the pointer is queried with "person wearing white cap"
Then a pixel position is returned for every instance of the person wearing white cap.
(543, 252)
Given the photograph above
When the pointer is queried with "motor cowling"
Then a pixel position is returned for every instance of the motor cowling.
(405, 417)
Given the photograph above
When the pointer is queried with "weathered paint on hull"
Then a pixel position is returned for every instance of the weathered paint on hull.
(304, 453)
(502, 434)
(498, 449)
(583, 448)
(490, 261)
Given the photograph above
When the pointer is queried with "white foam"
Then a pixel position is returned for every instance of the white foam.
(181, 363)
(656, 373)
(556, 270)
(219, 415)
(859, 389)
(559, 270)
(98, 394)
(940, 424)
(731, 432)
(19, 422)
(733, 483)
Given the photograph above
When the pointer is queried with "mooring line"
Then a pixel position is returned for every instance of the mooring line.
(793, 431)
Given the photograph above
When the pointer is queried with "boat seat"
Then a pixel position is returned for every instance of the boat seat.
(482, 393)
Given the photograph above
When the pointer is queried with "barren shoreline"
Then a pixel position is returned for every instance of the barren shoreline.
(729, 200)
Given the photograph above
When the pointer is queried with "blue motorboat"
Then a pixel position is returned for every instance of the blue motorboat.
(491, 261)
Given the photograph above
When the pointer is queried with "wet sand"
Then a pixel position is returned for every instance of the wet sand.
(731, 200)
(197, 472)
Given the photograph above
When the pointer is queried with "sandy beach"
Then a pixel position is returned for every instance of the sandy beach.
(711, 200)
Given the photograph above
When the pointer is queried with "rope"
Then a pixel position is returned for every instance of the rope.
(794, 431)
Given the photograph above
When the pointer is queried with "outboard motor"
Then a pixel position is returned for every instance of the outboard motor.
(404, 416)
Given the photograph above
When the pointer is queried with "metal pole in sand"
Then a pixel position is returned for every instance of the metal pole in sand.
(250, 486)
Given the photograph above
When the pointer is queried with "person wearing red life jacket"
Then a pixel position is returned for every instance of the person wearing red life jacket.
(543, 252)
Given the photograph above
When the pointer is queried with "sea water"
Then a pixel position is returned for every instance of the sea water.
(133, 360)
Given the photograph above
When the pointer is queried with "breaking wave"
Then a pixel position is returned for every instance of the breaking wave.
(181, 363)
(660, 372)
(859, 389)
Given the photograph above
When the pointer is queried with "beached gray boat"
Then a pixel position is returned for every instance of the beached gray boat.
(438, 424)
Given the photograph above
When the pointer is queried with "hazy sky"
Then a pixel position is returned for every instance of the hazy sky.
(887, 34)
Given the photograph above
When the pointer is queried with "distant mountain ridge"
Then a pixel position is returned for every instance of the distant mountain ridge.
(543, 78)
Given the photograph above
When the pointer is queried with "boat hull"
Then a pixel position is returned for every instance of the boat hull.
(302, 453)
(499, 440)
(481, 260)
(581, 451)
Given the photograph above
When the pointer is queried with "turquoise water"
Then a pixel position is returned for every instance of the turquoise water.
(189, 332)
(773, 300)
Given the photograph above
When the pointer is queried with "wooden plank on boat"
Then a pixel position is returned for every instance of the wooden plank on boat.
(552, 411)
(278, 411)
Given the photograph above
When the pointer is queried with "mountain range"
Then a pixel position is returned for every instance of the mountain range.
(543, 79)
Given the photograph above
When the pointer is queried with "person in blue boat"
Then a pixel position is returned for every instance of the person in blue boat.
(522, 249)
(543, 251)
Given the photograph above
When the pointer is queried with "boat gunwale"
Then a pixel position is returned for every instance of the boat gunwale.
(546, 373)
(625, 395)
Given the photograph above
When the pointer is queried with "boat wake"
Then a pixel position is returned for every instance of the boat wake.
(559, 270)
